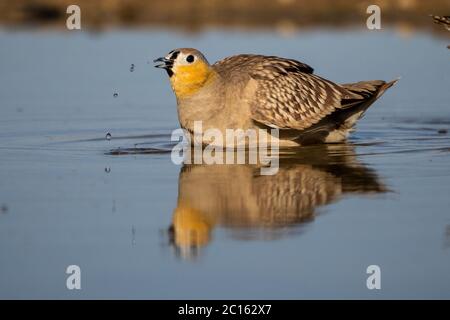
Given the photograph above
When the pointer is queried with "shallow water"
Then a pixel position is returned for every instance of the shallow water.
(129, 219)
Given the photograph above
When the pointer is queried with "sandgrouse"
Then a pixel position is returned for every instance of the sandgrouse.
(249, 91)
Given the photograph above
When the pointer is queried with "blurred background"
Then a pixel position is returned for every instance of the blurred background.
(285, 16)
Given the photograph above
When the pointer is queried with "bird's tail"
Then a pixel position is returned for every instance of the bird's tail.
(336, 126)
(366, 92)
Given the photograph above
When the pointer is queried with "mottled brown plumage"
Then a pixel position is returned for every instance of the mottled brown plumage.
(252, 91)
(443, 20)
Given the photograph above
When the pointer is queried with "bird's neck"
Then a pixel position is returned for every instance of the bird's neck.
(186, 84)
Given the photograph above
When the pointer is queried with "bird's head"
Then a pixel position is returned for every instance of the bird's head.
(188, 70)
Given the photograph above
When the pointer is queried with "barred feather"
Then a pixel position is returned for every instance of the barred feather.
(288, 95)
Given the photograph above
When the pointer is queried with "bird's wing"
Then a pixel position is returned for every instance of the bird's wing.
(287, 94)
(292, 99)
(242, 63)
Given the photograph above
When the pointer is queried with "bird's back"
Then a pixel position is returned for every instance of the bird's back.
(288, 95)
(243, 66)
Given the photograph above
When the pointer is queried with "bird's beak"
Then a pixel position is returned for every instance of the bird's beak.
(166, 63)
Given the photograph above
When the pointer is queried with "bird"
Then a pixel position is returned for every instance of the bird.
(443, 20)
(261, 92)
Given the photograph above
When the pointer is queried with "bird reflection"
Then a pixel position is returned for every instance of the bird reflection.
(238, 198)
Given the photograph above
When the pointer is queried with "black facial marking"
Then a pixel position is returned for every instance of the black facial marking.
(169, 72)
(174, 55)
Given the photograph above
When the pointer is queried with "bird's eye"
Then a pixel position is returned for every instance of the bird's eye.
(190, 58)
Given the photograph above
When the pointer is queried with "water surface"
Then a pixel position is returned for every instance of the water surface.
(141, 227)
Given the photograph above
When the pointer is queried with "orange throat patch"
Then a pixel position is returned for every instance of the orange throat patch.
(188, 80)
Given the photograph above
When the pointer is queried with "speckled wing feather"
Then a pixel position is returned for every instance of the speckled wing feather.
(444, 20)
(294, 101)
(288, 95)
(248, 62)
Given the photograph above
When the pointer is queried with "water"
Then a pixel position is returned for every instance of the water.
(123, 212)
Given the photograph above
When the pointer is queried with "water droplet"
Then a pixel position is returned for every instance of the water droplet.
(108, 136)
(107, 169)
(4, 208)
(132, 67)
(115, 95)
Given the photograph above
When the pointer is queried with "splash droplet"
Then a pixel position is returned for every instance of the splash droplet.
(4, 208)
(108, 136)
(115, 95)
(132, 67)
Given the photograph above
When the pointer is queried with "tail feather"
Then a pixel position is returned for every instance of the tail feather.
(336, 126)
(353, 110)
(365, 90)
